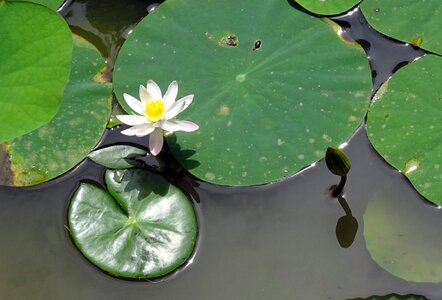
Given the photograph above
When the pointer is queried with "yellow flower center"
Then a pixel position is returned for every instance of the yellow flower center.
(155, 110)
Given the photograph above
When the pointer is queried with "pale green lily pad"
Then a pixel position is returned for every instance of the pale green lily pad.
(414, 21)
(328, 7)
(404, 124)
(58, 146)
(35, 55)
(404, 238)
(144, 227)
(117, 157)
(273, 85)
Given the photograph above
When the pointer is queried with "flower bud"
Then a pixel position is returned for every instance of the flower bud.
(337, 161)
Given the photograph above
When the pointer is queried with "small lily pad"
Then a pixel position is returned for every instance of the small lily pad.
(273, 86)
(404, 124)
(35, 55)
(58, 146)
(328, 7)
(117, 157)
(417, 22)
(144, 227)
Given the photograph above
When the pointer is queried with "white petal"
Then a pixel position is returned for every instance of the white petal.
(145, 97)
(154, 90)
(132, 119)
(178, 107)
(156, 141)
(179, 125)
(187, 100)
(139, 130)
(174, 110)
(136, 105)
(170, 95)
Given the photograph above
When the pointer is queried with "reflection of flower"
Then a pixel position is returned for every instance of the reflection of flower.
(155, 114)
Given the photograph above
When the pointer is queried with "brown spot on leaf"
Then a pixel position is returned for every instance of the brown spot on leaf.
(6, 177)
(229, 40)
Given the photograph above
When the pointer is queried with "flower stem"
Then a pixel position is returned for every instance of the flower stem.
(340, 187)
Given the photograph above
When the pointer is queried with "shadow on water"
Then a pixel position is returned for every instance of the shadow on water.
(347, 226)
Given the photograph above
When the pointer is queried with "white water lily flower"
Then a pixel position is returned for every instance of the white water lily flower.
(155, 114)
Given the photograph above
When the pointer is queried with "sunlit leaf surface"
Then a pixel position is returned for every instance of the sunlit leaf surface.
(35, 55)
(53, 4)
(418, 22)
(404, 124)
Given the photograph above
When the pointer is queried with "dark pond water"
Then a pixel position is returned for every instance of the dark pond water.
(276, 241)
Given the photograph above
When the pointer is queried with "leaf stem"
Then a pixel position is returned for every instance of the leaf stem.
(345, 206)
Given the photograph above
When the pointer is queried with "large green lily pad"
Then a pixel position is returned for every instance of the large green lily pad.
(328, 7)
(404, 124)
(273, 86)
(144, 228)
(52, 4)
(413, 21)
(35, 55)
(404, 238)
(58, 146)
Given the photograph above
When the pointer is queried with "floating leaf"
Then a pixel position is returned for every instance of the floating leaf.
(404, 238)
(273, 86)
(35, 55)
(53, 4)
(407, 20)
(328, 7)
(404, 125)
(58, 146)
(393, 297)
(144, 228)
(117, 157)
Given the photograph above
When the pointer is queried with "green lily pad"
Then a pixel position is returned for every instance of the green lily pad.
(273, 86)
(144, 228)
(117, 157)
(35, 55)
(58, 146)
(404, 124)
(404, 238)
(328, 7)
(414, 21)
(52, 4)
